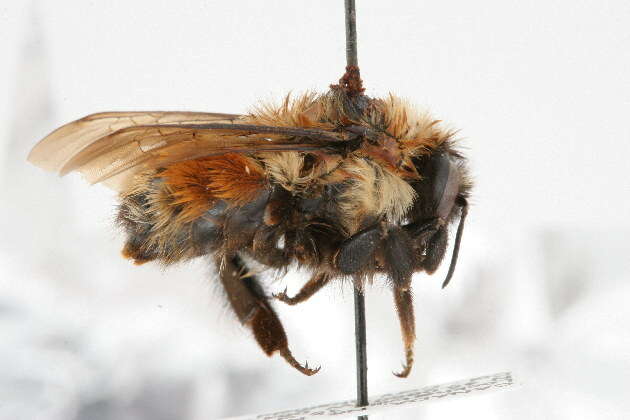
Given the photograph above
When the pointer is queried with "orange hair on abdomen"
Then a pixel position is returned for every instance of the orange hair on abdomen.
(195, 184)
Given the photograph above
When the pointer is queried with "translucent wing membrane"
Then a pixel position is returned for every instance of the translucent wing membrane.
(113, 146)
(62, 144)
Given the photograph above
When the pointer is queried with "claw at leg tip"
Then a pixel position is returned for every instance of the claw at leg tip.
(303, 369)
(403, 373)
(406, 369)
(282, 296)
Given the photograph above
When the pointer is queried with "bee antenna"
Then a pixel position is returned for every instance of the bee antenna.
(458, 238)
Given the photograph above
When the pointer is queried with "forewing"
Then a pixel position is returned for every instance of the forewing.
(56, 149)
(117, 155)
(138, 148)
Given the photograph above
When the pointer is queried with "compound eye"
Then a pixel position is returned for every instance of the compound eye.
(449, 193)
(439, 186)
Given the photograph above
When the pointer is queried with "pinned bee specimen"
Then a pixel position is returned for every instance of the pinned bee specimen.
(345, 185)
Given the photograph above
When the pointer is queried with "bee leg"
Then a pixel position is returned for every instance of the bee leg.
(422, 230)
(399, 256)
(356, 252)
(311, 287)
(265, 249)
(436, 249)
(399, 263)
(248, 300)
(404, 307)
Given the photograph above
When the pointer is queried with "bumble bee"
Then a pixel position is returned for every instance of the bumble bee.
(345, 185)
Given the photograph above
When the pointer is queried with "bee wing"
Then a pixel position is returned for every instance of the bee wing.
(115, 157)
(54, 151)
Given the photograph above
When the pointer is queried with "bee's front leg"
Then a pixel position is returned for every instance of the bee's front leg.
(378, 247)
(400, 260)
(395, 246)
(404, 307)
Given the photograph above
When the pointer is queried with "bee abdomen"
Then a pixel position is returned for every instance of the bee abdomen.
(152, 219)
(134, 219)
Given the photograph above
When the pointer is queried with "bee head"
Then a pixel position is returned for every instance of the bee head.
(442, 196)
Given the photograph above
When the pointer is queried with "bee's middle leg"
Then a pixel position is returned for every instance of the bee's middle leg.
(311, 287)
(356, 253)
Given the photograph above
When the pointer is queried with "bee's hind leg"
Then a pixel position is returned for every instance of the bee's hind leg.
(253, 310)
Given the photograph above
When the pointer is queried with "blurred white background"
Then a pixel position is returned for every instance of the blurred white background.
(541, 94)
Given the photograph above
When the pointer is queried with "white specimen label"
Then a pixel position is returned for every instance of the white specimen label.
(400, 399)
